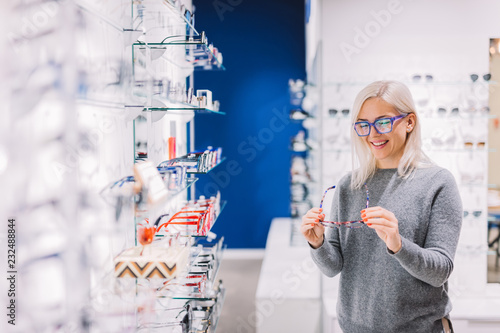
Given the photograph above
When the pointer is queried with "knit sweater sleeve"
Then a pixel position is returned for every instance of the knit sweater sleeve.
(328, 256)
(433, 263)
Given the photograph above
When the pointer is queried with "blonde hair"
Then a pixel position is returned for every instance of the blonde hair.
(398, 95)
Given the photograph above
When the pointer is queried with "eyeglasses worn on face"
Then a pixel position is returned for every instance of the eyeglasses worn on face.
(347, 224)
(382, 125)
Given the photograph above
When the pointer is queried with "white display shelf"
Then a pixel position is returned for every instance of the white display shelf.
(289, 282)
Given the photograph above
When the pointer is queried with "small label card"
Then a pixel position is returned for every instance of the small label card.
(148, 178)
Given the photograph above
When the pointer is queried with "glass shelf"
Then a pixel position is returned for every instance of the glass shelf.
(83, 5)
(337, 151)
(205, 172)
(99, 104)
(300, 151)
(408, 83)
(198, 53)
(207, 295)
(474, 184)
(458, 150)
(184, 109)
(211, 254)
(460, 116)
(190, 169)
(176, 108)
(298, 201)
(105, 104)
(172, 9)
(166, 100)
(213, 319)
(301, 120)
(308, 183)
(431, 150)
(122, 190)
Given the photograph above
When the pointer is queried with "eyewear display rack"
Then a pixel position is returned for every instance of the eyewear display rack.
(304, 172)
(163, 62)
(437, 65)
(84, 74)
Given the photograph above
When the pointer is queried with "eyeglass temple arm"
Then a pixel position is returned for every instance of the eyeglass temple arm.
(157, 222)
(332, 187)
(367, 196)
(324, 194)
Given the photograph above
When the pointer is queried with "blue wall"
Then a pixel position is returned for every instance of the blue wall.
(263, 45)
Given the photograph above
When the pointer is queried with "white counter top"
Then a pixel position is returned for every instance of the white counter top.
(286, 270)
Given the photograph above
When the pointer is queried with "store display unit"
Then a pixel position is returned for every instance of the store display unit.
(103, 87)
(304, 161)
(158, 70)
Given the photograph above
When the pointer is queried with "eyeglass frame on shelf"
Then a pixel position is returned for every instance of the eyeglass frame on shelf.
(370, 125)
(347, 224)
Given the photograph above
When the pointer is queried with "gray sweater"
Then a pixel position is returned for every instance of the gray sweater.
(380, 291)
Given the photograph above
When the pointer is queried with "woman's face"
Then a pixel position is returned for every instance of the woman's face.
(387, 148)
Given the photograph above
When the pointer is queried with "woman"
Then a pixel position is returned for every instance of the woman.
(394, 268)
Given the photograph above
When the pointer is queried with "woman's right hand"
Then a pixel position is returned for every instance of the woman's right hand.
(311, 229)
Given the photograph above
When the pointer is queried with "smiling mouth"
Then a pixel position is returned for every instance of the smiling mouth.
(379, 144)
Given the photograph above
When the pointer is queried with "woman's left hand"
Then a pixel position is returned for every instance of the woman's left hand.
(385, 224)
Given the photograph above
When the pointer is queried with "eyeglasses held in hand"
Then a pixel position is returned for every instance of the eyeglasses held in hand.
(382, 125)
(348, 224)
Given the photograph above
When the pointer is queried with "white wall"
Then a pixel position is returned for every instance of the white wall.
(444, 37)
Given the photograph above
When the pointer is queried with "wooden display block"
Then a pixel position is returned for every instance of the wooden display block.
(155, 262)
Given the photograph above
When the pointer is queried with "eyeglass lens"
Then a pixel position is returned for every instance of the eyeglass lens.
(347, 224)
(475, 77)
(381, 125)
(475, 213)
(333, 112)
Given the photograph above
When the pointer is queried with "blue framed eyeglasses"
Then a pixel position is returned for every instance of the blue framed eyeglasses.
(382, 125)
(347, 224)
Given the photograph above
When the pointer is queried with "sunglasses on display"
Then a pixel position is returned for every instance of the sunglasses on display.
(298, 114)
(475, 77)
(347, 224)
(418, 77)
(482, 110)
(198, 282)
(184, 324)
(296, 90)
(334, 112)
(478, 145)
(452, 111)
(382, 125)
(475, 213)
